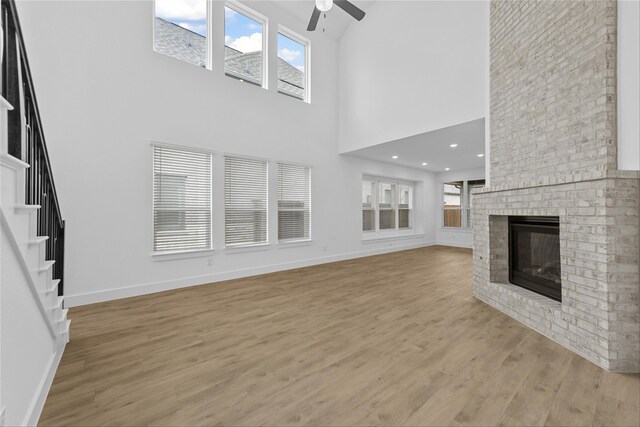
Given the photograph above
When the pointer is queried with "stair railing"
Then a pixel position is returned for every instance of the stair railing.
(26, 139)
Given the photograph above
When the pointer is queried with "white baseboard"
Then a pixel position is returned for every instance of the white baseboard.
(456, 244)
(149, 288)
(38, 402)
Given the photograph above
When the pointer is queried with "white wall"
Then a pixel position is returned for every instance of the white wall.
(104, 94)
(451, 236)
(411, 67)
(628, 84)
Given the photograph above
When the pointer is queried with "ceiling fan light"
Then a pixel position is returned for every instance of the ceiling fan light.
(324, 5)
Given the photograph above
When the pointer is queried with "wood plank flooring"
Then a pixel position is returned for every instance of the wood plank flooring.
(394, 339)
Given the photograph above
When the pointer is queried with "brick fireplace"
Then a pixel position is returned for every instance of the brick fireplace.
(553, 153)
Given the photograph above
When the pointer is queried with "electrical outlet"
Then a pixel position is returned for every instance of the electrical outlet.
(210, 261)
(324, 248)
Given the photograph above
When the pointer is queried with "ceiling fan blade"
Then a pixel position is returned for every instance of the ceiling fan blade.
(350, 8)
(313, 22)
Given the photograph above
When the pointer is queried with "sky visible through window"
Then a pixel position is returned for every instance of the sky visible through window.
(189, 14)
(241, 32)
(291, 52)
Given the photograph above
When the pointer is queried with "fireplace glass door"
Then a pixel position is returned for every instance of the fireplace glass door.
(534, 255)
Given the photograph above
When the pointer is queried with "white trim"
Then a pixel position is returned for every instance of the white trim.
(269, 163)
(209, 37)
(390, 237)
(188, 253)
(261, 19)
(174, 255)
(149, 288)
(28, 275)
(248, 157)
(390, 179)
(292, 163)
(277, 207)
(183, 147)
(307, 59)
(455, 244)
(457, 229)
(209, 60)
(12, 162)
(249, 247)
(293, 243)
(37, 405)
(4, 104)
(465, 198)
(375, 207)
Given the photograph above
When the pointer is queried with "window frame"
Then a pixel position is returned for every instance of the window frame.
(208, 38)
(183, 253)
(252, 245)
(277, 200)
(307, 61)
(243, 9)
(377, 232)
(465, 203)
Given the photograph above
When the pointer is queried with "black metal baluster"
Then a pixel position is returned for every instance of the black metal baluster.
(39, 185)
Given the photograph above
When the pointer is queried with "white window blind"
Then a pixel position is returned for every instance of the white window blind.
(368, 205)
(245, 201)
(181, 200)
(405, 201)
(294, 202)
(387, 205)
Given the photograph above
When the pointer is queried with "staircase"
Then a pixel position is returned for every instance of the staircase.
(34, 328)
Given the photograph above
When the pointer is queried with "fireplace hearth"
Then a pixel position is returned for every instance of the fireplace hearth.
(534, 255)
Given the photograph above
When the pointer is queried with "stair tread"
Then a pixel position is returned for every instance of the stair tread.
(54, 286)
(47, 265)
(38, 240)
(27, 208)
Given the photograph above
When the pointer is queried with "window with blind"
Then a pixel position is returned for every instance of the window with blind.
(386, 205)
(294, 202)
(181, 200)
(245, 201)
(368, 205)
(405, 196)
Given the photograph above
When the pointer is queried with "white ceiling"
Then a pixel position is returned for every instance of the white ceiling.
(335, 23)
(434, 148)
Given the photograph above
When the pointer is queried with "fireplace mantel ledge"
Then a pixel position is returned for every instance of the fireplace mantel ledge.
(614, 174)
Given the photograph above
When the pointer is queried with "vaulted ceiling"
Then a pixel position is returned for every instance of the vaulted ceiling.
(336, 21)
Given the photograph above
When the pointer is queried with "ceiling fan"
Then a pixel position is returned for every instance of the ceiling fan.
(324, 5)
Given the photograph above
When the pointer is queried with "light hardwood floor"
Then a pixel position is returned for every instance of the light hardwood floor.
(395, 339)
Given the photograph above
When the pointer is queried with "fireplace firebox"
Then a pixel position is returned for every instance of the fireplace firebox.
(534, 254)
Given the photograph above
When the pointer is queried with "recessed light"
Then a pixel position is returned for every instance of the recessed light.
(447, 169)
(424, 163)
(453, 145)
(480, 155)
(394, 157)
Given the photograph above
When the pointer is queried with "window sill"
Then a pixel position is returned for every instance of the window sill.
(460, 229)
(247, 248)
(380, 237)
(175, 255)
(294, 243)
